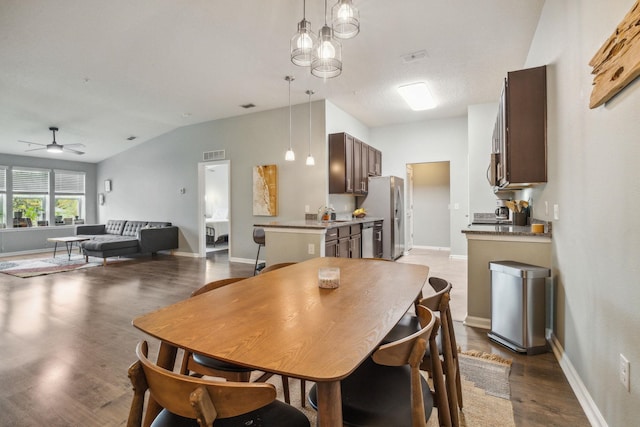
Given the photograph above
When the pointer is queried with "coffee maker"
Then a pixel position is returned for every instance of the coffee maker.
(502, 212)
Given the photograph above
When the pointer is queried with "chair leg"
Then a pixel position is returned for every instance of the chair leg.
(255, 267)
(285, 389)
(303, 394)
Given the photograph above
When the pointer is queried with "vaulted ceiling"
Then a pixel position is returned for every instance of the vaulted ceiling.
(103, 71)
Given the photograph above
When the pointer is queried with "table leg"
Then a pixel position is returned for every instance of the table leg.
(167, 360)
(69, 246)
(55, 247)
(329, 404)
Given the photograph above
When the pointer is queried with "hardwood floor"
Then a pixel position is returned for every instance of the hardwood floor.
(67, 341)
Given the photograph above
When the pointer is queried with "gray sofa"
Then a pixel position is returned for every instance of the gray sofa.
(122, 237)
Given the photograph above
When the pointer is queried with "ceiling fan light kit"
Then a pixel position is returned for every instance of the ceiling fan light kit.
(54, 147)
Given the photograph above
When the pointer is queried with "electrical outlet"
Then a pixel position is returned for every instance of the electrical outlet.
(546, 208)
(306, 208)
(624, 372)
(312, 249)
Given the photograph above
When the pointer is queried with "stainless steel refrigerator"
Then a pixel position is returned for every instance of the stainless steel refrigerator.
(385, 199)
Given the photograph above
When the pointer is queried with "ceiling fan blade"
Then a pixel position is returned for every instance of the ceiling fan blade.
(74, 145)
(36, 149)
(34, 143)
(71, 150)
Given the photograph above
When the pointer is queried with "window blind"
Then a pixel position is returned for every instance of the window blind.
(69, 182)
(3, 178)
(31, 181)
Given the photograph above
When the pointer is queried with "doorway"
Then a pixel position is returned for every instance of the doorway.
(215, 202)
(429, 202)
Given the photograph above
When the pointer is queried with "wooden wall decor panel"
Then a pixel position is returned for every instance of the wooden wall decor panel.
(617, 62)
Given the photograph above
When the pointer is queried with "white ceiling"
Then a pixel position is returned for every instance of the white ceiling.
(105, 70)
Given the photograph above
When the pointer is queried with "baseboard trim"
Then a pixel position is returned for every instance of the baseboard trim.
(477, 322)
(458, 257)
(245, 260)
(185, 254)
(431, 248)
(584, 398)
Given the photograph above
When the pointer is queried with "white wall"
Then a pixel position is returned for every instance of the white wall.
(148, 177)
(594, 178)
(431, 141)
(431, 193)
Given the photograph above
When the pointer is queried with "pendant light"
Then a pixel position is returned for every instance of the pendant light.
(303, 42)
(290, 155)
(310, 160)
(345, 20)
(327, 57)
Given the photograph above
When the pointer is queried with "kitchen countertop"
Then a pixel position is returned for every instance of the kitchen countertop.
(506, 230)
(316, 225)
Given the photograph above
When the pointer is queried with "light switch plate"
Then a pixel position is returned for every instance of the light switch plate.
(556, 212)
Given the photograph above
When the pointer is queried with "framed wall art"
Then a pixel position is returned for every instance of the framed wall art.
(265, 190)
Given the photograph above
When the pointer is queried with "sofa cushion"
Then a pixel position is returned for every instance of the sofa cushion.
(104, 243)
(131, 228)
(114, 226)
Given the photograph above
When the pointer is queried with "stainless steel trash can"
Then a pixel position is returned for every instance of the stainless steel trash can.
(518, 306)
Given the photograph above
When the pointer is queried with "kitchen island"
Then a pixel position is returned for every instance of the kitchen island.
(295, 241)
(486, 243)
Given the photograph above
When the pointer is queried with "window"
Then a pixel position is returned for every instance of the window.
(69, 195)
(3, 196)
(30, 197)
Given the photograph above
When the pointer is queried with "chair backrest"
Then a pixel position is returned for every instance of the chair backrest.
(440, 302)
(191, 397)
(258, 236)
(276, 266)
(215, 285)
(410, 351)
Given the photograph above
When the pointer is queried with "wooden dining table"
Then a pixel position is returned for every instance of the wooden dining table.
(283, 322)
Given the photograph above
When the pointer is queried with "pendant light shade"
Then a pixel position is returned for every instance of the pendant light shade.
(290, 155)
(327, 60)
(345, 19)
(303, 42)
(310, 160)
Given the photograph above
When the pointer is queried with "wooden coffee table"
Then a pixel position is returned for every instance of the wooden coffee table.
(68, 242)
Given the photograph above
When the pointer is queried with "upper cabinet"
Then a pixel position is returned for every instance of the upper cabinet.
(351, 162)
(519, 156)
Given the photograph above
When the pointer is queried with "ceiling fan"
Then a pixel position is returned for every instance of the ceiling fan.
(54, 147)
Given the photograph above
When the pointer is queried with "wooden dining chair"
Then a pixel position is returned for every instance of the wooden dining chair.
(193, 363)
(276, 266)
(190, 401)
(387, 389)
(446, 343)
(448, 347)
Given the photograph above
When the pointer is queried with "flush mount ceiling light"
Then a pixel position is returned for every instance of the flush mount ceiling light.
(310, 160)
(303, 42)
(418, 96)
(327, 57)
(345, 20)
(290, 155)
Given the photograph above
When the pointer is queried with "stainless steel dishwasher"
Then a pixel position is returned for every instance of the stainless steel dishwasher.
(367, 240)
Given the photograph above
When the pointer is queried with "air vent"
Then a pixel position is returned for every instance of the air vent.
(209, 156)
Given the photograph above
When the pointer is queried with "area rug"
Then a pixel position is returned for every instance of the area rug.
(482, 406)
(37, 267)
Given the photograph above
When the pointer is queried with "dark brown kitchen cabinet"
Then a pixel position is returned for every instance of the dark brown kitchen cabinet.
(344, 242)
(331, 243)
(520, 134)
(341, 163)
(351, 162)
(374, 161)
(360, 166)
